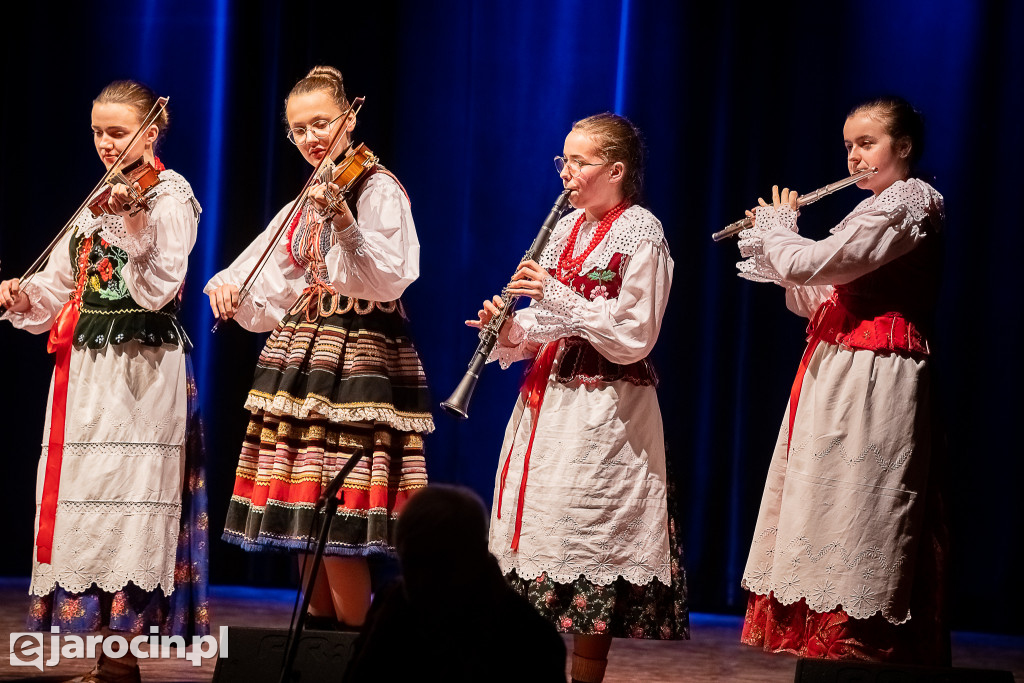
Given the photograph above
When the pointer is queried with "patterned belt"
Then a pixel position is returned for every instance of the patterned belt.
(321, 301)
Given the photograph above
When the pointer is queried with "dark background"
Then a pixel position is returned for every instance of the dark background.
(467, 102)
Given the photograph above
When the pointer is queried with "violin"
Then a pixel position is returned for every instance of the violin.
(346, 174)
(140, 172)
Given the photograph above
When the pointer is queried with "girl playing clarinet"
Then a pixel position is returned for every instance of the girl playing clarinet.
(580, 524)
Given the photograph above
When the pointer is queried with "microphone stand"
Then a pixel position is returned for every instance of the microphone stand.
(329, 501)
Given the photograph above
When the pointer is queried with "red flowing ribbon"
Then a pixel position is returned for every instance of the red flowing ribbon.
(816, 330)
(59, 343)
(532, 392)
(536, 380)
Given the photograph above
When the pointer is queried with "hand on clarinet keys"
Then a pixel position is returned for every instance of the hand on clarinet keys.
(490, 309)
(528, 281)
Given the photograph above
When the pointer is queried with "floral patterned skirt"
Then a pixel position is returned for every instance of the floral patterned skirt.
(185, 612)
(621, 609)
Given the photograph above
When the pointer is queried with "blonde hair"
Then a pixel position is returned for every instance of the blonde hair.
(617, 139)
(137, 97)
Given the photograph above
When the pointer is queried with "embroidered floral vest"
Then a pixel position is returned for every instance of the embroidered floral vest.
(109, 315)
(583, 362)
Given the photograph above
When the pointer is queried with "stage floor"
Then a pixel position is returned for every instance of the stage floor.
(714, 653)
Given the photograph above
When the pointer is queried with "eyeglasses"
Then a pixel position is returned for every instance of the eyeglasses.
(321, 129)
(575, 167)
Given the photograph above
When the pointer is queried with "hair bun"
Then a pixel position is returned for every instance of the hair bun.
(322, 78)
(328, 72)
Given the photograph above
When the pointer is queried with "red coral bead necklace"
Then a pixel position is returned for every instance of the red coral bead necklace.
(569, 266)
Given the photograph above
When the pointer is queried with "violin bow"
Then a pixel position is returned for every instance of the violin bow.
(243, 291)
(114, 170)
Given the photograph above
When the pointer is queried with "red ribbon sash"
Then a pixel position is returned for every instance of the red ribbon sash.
(59, 344)
(537, 378)
(533, 395)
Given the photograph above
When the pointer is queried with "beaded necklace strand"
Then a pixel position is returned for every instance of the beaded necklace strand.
(569, 266)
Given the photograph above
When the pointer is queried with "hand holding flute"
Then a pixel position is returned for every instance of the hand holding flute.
(786, 197)
(748, 222)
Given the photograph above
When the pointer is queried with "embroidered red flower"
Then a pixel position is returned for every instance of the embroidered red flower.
(600, 626)
(580, 602)
(105, 270)
(566, 623)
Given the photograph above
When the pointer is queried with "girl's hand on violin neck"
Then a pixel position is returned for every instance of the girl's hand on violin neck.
(490, 309)
(121, 196)
(318, 195)
(322, 197)
(13, 299)
(528, 281)
(224, 301)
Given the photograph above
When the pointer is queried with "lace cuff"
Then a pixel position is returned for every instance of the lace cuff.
(140, 247)
(769, 218)
(558, 313)
(350, 238)
(36, 315)
(520, 349)
(756, 266)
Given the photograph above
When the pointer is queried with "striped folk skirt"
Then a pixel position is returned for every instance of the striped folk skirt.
(326, 389)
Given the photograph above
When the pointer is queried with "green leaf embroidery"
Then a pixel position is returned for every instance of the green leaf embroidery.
(602, 275)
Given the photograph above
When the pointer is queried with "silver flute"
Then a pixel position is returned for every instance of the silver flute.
(809, 198)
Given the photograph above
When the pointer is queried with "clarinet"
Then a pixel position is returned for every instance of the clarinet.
(457, 404)
(744, 223)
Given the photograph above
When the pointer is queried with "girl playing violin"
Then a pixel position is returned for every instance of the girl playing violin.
(339, 374)
(114, 525)
(580, 524)
(848, 554)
